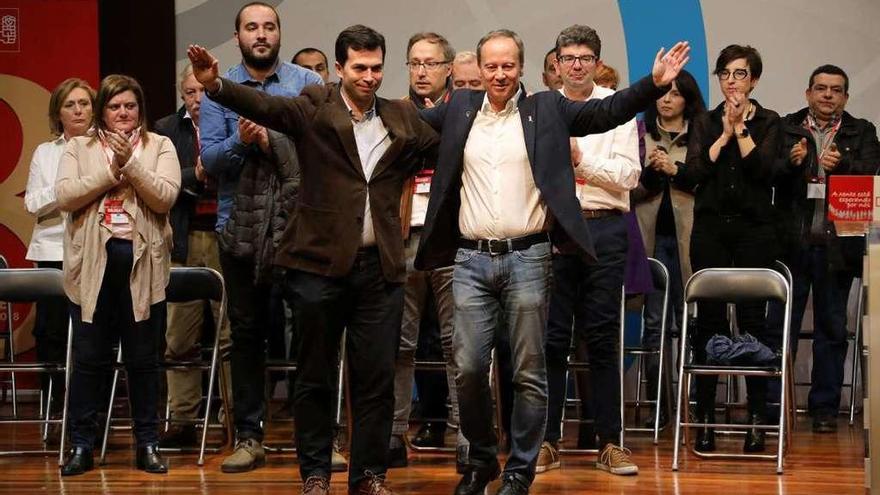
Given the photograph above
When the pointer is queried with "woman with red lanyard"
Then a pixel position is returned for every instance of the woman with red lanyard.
(117, 186)
(730, 164)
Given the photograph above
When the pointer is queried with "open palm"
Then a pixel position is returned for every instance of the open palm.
(667, 67)
(206, 67)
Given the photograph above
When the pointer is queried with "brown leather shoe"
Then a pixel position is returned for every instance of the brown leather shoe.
(316, 485)
(370, 485)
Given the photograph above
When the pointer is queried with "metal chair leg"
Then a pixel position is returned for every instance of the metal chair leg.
(857, 351)
(340, 383)
(68, 368)
(682, 401)
(215, 353)
(110, 406)
(11, 329)
(48, 410)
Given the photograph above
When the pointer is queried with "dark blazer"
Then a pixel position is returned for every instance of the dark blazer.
(548, 120)
(324, 233)
(181, 132)
(860, 155)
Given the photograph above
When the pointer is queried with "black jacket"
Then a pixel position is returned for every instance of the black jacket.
(548, 120)
(734, 184)
(264, 199)
(860, 155)
(181, 132)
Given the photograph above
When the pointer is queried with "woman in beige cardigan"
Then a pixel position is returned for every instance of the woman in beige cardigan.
(665, 207)
(117, 185)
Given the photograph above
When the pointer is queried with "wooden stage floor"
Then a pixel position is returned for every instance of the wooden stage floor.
(820, 464)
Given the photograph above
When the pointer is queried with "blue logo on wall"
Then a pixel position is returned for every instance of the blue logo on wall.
(648, 25)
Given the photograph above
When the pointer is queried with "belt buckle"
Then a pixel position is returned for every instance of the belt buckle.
(489, 244)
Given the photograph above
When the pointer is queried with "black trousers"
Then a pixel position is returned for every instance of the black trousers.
(50, 338)
(93, 354)
(587, 298)
(735, 241)
(250, 312)
(370, 309)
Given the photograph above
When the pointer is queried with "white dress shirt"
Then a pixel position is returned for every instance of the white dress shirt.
(609, 167)
(499, 198)
(372, 140)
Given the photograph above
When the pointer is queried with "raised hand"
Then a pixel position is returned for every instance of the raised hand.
(206, 68)
(667, 67)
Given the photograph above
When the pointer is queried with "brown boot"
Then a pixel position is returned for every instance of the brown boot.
(370, 485)
(316, 485)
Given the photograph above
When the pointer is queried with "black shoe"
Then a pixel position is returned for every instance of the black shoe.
(824, 423)
(587, 437)
(149, 460)
(430, 435)
(755, 436)
(79, 461)
(179, 436)
(705, 436)
(476, 478)
(397, 455)
(512, 484)
(461, 459)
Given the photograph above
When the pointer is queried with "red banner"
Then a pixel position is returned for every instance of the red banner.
(42, 42)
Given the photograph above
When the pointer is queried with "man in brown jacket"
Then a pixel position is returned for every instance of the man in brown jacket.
(343, 247)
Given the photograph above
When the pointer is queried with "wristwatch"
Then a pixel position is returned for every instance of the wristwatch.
(743, 134)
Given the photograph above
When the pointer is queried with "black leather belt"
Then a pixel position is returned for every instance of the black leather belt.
(504, 246)
(601, 213)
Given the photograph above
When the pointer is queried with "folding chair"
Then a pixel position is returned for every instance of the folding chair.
(343, 401)
(735, 285)
(189, 284)
(574, 365)
(28, 285)
(10, 350)
(660, 278)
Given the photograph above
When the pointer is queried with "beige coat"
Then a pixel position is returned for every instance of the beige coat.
(84, 178)
(682, 206)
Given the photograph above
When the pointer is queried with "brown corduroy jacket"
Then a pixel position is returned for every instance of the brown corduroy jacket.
(324, 233)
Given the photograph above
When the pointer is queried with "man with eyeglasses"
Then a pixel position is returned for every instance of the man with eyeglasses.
(428, 60)
(502, 187)
(606, 168)
(818, 141)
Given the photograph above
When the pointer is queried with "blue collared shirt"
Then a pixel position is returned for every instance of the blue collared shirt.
(223, 153)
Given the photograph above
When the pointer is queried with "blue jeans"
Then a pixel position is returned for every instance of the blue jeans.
(485, 288)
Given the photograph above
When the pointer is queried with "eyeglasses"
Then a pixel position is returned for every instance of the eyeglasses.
(583, 59)
(428, 66)
(738, 74)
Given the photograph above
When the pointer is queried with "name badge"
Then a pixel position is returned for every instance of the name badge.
(113, 212)
(422, 183)
(816, 188)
